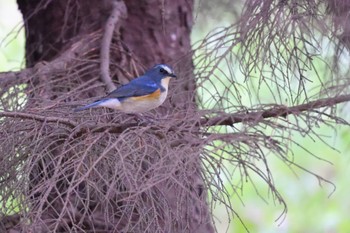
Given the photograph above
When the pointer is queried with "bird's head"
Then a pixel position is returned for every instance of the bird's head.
(161, 71)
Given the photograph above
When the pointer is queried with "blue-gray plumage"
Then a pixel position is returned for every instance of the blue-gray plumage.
(140, 94)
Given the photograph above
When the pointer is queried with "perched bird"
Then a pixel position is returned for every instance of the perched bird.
(140, 94)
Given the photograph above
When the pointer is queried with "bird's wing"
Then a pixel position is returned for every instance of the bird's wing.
(137, 87)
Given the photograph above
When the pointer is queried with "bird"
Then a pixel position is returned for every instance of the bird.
(141, 94)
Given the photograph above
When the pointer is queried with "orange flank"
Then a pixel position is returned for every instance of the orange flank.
(155, 95)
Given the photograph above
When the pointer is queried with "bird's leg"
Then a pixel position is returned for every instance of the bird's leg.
(141, 118)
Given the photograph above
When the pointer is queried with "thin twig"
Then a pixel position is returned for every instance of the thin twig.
(119, 10)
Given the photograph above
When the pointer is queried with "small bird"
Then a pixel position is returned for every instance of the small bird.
(139, 95)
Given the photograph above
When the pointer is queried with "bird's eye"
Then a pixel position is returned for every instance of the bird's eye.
(163, 71)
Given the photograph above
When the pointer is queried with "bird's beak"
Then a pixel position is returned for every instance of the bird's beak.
(173, 75)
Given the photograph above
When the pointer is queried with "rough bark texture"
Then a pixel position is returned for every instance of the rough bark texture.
(153, 32)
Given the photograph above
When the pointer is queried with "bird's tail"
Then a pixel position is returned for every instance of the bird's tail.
(113, 103)
(92, 105)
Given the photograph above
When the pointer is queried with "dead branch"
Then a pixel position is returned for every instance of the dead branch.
(275, 111)
(58, 65)
(229, 119)
(119, 10)
(36, 117)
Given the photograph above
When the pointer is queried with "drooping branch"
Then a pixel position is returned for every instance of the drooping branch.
(58, 65)
(275, 111)
(118, 11)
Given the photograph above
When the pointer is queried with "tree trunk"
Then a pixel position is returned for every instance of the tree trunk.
(75, 192)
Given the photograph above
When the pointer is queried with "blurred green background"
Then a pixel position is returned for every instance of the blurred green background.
(311, 208)
(11, 36)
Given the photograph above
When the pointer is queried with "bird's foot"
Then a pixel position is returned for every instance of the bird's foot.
(143, 119)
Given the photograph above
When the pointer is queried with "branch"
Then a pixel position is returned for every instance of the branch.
(58, 65)
(119, 10)
(22, 115)
(276, 111)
